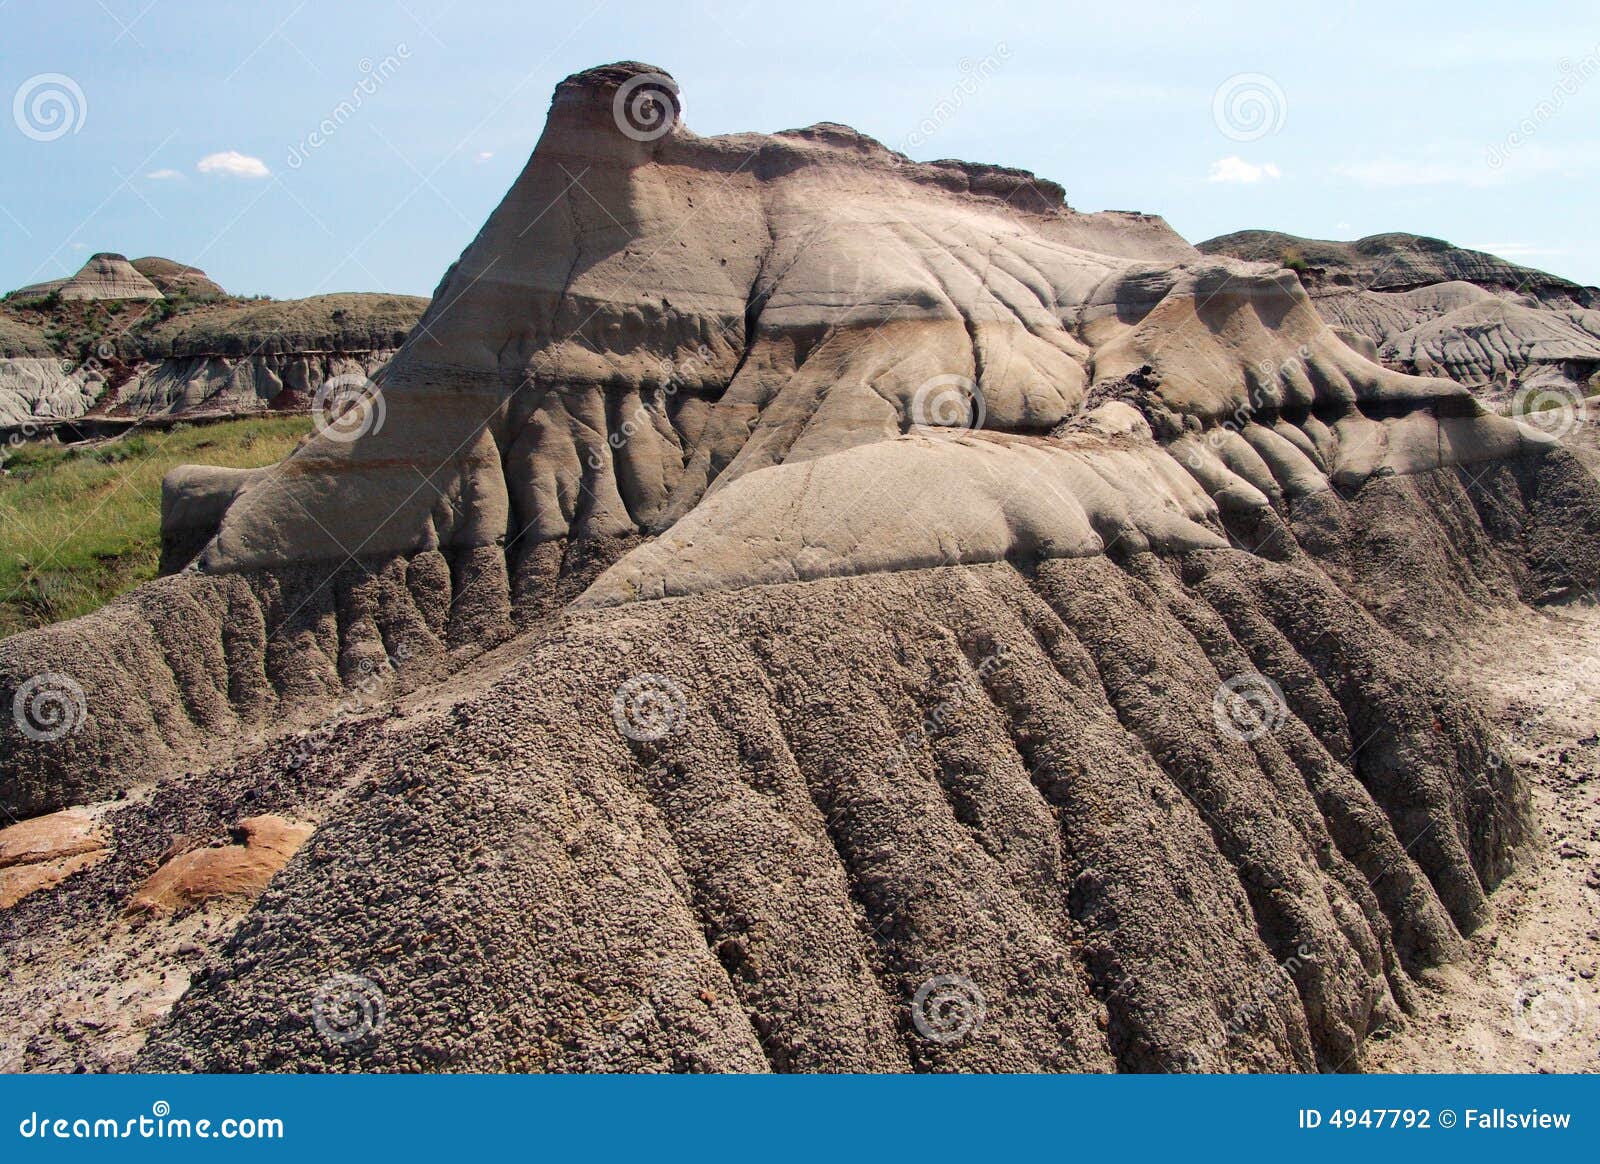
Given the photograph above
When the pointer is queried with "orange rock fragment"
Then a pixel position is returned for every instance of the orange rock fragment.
(237, 870)
(43, 838)
(17, 881)
(45, 850)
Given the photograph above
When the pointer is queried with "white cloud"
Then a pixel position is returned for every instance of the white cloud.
(485, 155)
(1236, 169)
(235, 164)
(163, 175)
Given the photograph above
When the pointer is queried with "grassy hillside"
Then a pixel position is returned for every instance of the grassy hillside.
(81, 524)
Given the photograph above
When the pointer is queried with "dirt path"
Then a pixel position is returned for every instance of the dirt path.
(1527, 997)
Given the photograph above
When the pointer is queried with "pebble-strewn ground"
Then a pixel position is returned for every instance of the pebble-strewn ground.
(1527, 998)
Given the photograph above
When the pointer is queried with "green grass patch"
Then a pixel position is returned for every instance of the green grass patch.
(1294, 260)
(80, 524)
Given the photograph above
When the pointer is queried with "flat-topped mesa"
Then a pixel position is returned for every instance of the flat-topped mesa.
(596, 112)
(1020, 188)
(650, 316)
(728, 303)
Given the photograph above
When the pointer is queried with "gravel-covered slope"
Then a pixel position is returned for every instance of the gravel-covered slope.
(1014, 778)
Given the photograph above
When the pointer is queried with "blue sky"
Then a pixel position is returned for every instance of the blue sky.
(1474, 122)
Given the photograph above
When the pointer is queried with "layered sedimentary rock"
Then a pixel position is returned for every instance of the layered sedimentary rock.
(1440, 310)
(1398, 262)
(226, 356)
(34, 382)
(104, 276)
(889, 546)
(173, 278)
